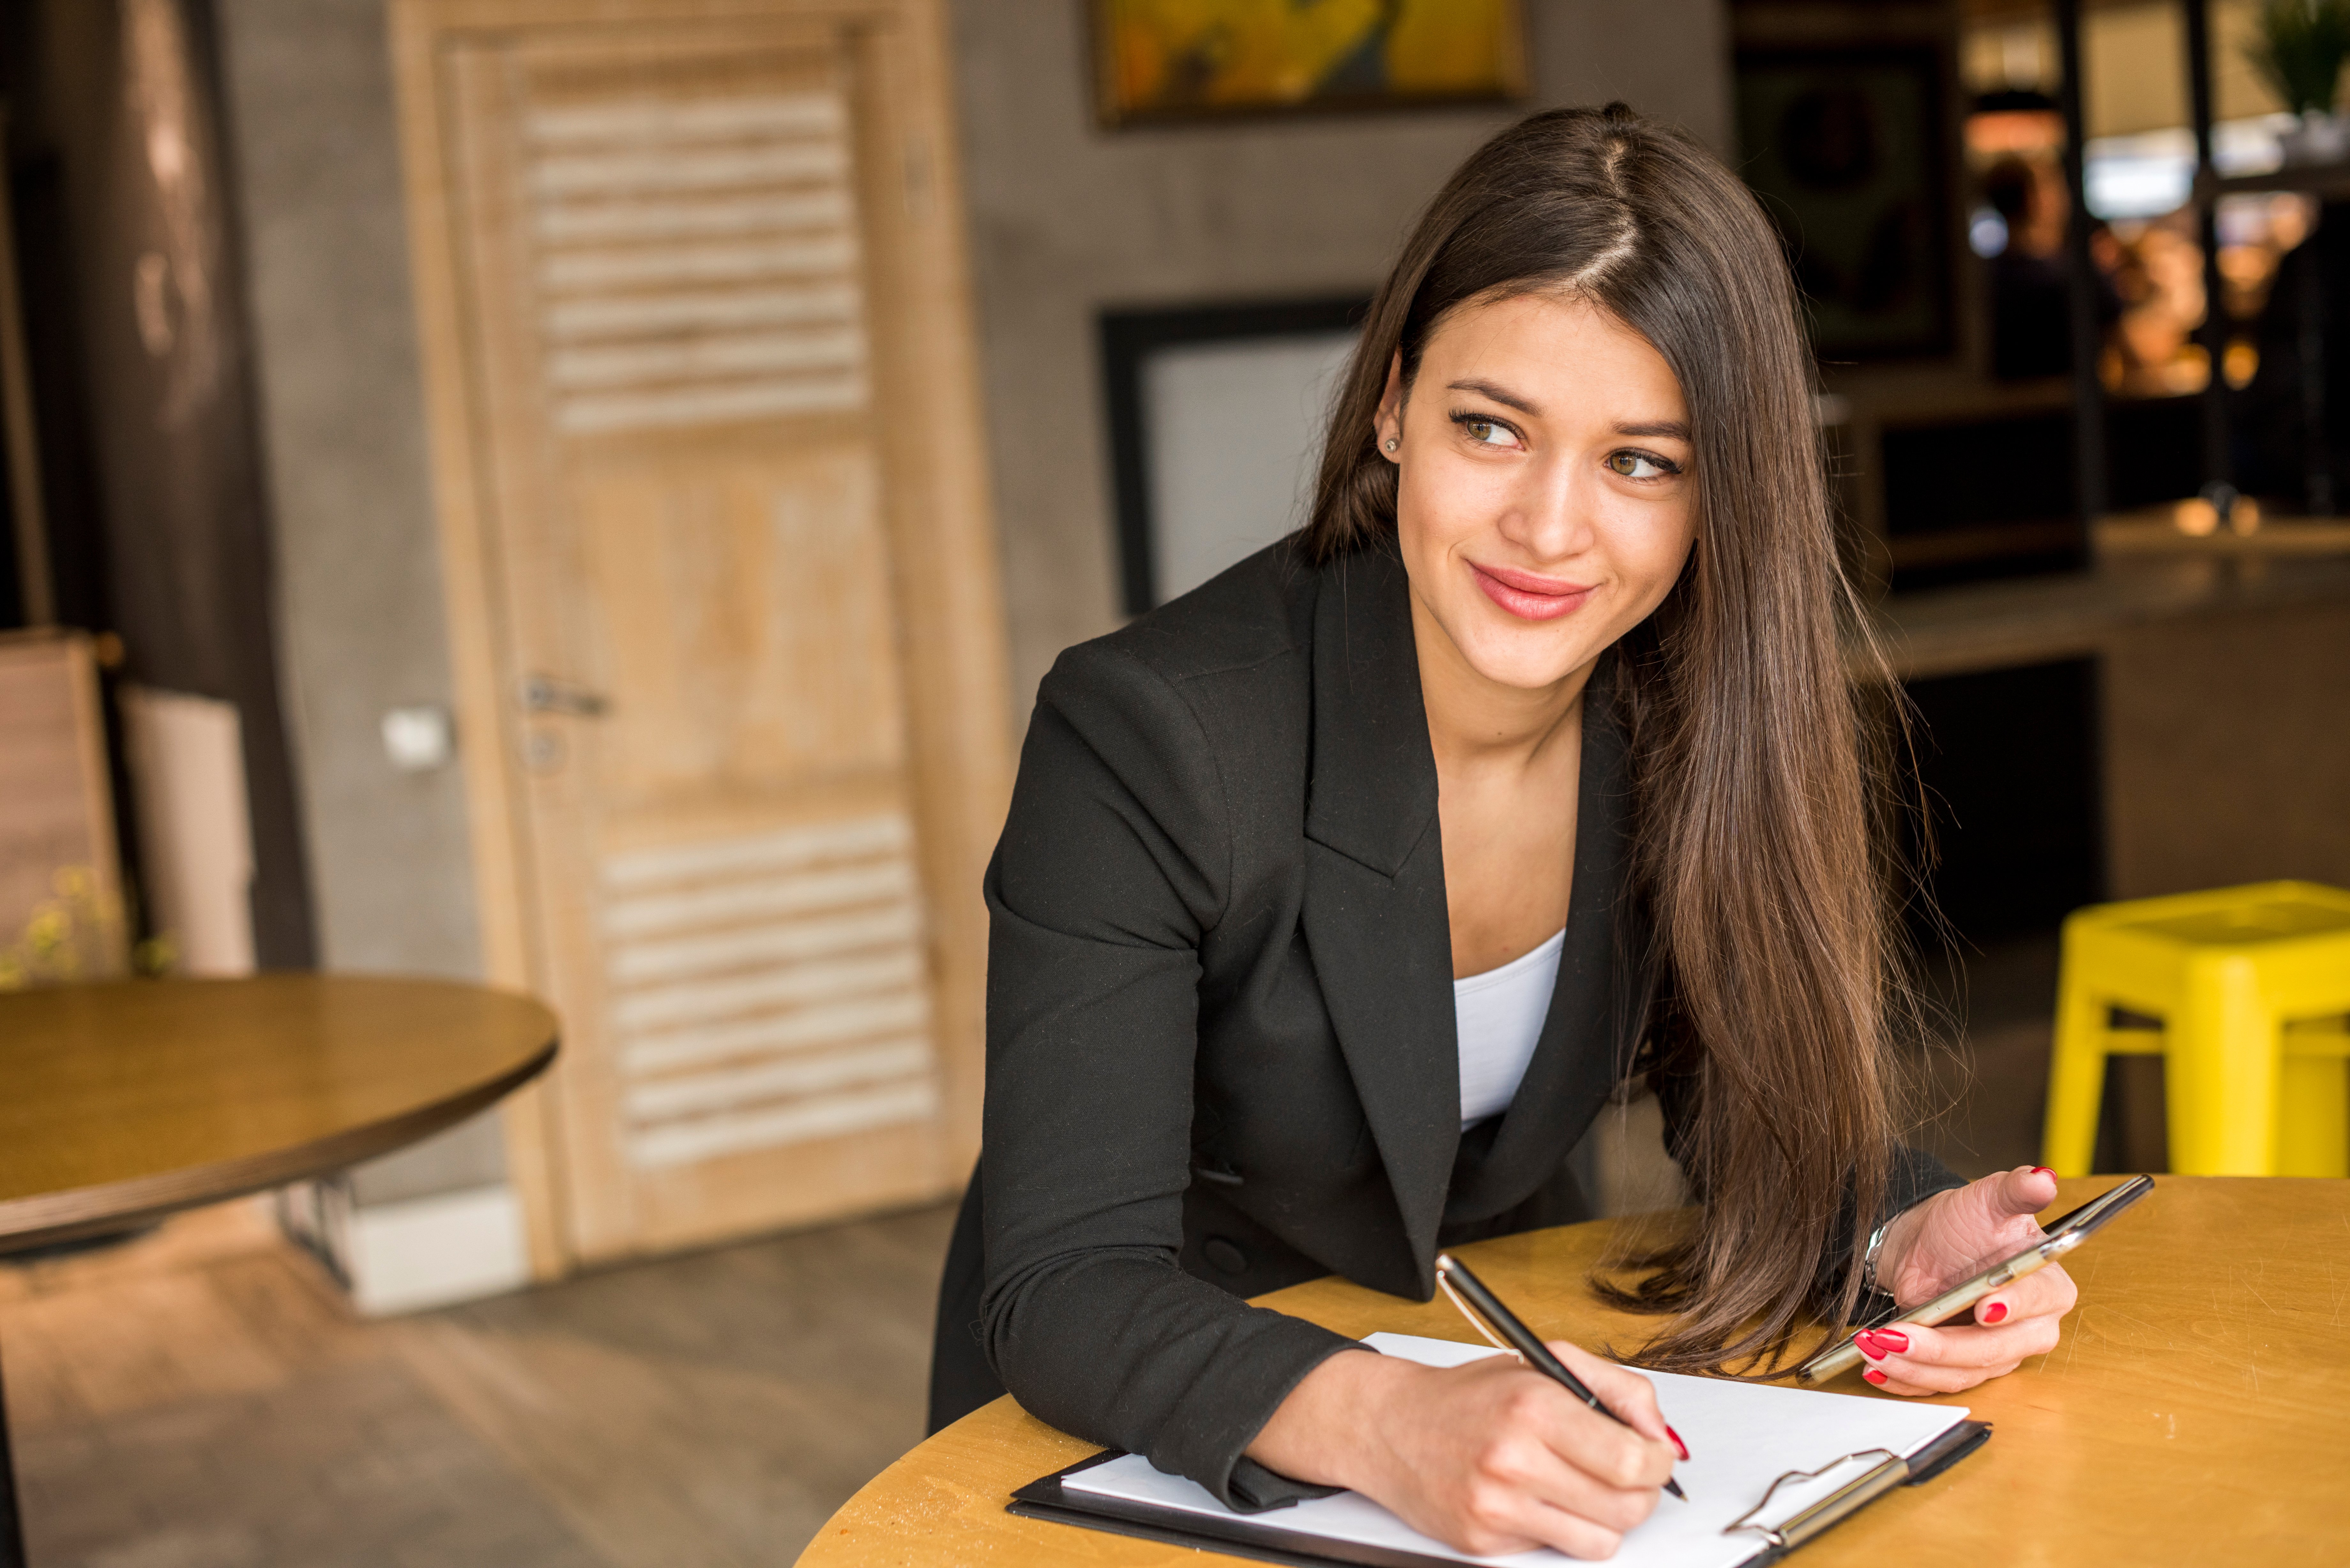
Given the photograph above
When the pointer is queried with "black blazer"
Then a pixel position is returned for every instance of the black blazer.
(1221, 1039)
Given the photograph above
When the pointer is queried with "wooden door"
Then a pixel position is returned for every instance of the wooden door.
(723, 592)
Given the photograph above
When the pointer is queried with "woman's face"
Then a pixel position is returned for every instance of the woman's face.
(1546, 503)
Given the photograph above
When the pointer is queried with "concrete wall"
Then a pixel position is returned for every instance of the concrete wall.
(315, 153)
(1067, 218)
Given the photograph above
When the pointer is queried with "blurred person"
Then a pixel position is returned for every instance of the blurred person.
(1337, 895)
(2031, 293)
(2306, 305)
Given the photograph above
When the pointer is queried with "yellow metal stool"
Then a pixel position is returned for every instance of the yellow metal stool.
(2253, 986)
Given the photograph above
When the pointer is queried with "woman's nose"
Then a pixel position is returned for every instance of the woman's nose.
(1552, 519)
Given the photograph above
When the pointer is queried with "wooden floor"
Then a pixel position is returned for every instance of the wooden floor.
(202, 1398)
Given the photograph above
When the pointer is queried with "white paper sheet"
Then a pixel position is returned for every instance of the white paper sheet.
(1741, 1438)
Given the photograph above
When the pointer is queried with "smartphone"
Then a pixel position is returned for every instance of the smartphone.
(2060, 1237)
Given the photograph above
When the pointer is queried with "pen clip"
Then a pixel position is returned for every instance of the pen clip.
(1476, 1321)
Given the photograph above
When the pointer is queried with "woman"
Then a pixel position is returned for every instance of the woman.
(1337, 896)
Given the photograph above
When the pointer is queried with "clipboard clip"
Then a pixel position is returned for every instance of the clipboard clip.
(1802, 1526)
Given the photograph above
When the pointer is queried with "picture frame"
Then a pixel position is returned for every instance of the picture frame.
(1848, 149)
(1158, 61)
(1271, 364)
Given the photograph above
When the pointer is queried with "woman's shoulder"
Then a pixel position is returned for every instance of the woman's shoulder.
(1251, 623)
(1197, 714)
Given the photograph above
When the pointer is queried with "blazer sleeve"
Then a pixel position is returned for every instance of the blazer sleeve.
(1116, 859)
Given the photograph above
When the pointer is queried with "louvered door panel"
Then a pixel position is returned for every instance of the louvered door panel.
(698, 260)
(768, 991)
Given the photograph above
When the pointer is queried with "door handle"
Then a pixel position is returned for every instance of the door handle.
(544, 694)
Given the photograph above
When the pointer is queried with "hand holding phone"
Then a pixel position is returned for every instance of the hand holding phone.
(2060, 1237)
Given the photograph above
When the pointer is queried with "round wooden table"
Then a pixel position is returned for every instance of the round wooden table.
(2197, 1411)
(124, 1102)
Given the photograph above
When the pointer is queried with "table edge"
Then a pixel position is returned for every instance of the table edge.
(82, 1212)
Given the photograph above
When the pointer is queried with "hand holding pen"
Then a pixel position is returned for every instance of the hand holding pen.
(1498, 1324)
(1481, 1456)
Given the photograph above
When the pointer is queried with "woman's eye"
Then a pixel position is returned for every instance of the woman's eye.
(1484, 432)
(1638, 465)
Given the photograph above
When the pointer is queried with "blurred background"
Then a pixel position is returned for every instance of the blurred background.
(580, 496)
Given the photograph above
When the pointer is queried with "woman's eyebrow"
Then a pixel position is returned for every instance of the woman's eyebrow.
(1665, 430)
(1668, 430)
(1506, 399)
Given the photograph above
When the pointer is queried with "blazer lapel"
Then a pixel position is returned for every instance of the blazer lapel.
(1374, 912)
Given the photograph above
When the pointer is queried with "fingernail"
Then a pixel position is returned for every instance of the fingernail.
(1869, 1346)
(2044, 1171)
(1873, 1375)
(1994, 1313)
(1679, 1445)
(1892, 1339)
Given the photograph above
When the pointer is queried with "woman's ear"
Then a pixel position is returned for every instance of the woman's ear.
(1386, 425)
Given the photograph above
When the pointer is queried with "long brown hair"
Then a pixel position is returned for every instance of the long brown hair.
(1757, 866)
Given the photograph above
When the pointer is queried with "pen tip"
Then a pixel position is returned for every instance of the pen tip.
(1674, 1487)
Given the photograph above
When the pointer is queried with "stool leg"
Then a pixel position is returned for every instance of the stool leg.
(2313, 1116)
(2221, 1066)
(2076, 1079)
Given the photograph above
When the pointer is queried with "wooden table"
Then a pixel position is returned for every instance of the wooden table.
(2197, 1411)
(124, 1102)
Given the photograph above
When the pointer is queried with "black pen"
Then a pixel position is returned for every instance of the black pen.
(1476, 1303)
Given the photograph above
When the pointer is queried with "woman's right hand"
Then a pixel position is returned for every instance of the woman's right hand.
(1488, 1458)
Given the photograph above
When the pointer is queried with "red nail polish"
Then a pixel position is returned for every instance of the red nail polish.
(1873, 1375)
(1678, 1443)
(2044, 1171)
(1892, 1339)
(1995, 1312)
(1870, 1346)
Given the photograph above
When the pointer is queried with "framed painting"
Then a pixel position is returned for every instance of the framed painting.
(1189, 60)
(1848, 148)
(1215, 430)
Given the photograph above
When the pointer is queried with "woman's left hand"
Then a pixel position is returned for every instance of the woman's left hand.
(1944, 1241)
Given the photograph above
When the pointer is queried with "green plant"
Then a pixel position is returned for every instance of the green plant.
(70, 937)
(2300, 51)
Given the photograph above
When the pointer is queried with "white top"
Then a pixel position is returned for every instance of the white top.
(1499, 1016)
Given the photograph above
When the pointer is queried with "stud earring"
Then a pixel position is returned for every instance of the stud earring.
(1391, 443)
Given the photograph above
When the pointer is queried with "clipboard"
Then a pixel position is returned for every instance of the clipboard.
(1263, 1536)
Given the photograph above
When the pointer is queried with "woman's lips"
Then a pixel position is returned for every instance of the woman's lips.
(1528, 597)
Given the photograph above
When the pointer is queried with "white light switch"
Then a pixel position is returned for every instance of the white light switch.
(419, 739)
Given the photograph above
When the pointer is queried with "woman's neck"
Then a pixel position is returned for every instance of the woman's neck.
(1478, 724)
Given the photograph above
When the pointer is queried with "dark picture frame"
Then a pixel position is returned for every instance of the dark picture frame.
(1849, 150)
(1129, 338)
